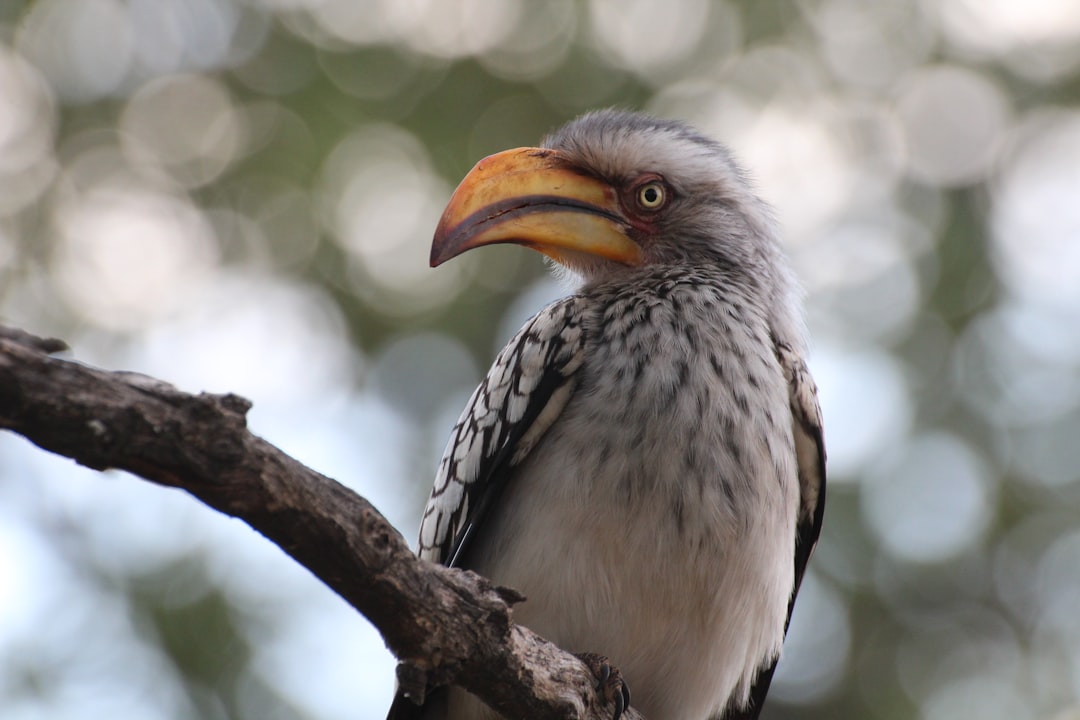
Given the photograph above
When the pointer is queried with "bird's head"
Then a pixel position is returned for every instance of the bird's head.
(610, 192)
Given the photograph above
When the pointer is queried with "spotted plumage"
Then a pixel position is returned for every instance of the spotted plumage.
(644, 460)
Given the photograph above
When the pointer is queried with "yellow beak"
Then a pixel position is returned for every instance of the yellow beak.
(536, 198)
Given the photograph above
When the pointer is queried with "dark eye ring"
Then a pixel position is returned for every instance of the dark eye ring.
(651, 195)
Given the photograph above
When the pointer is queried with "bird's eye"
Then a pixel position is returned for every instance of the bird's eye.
(651, 196)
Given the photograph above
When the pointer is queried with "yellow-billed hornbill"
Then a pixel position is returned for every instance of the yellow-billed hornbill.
(644, 460)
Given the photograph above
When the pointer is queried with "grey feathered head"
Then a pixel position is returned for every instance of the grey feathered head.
(612, 192)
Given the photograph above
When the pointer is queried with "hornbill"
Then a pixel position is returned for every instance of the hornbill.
(644, 460)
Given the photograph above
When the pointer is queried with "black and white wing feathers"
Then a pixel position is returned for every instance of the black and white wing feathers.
(527, 387)
(523, 393)
(810, 454)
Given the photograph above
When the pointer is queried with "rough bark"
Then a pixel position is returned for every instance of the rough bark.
(443, 625)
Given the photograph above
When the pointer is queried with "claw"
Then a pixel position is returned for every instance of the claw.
(619, 707)
(610, 684)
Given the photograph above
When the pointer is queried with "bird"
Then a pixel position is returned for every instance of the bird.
(644, 460)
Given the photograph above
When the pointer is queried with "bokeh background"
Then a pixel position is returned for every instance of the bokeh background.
(238, 195)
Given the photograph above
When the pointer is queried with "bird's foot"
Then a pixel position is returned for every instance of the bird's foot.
(610, 683)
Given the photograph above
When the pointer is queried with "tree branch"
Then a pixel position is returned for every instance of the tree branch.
(444, 625)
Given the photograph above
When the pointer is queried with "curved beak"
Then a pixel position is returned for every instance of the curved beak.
(536, 198)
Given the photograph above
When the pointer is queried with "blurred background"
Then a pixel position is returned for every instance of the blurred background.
(238, 195)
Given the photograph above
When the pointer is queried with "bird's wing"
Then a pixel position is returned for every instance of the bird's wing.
(523, 393)
(527, 387)
(810, 454)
